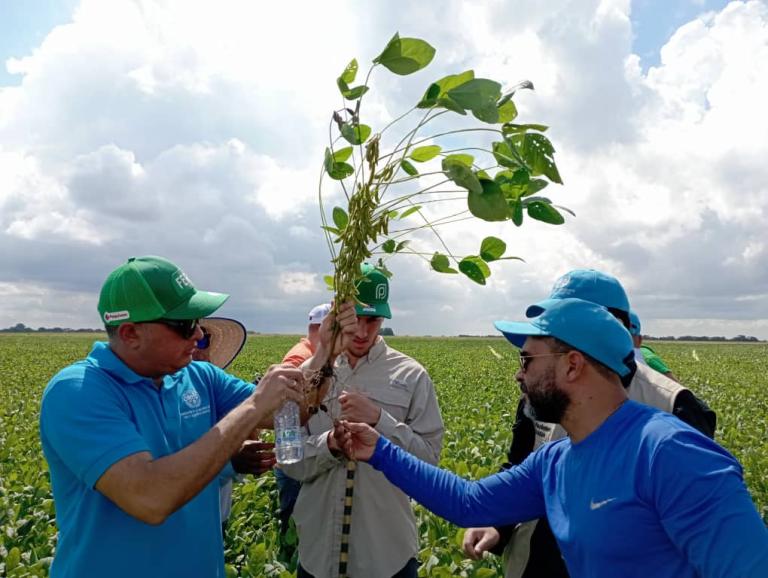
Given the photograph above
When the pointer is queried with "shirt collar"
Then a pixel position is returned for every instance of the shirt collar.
(103, 357)
(376, 351)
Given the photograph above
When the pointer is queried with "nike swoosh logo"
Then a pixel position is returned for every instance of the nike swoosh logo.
(596, 505)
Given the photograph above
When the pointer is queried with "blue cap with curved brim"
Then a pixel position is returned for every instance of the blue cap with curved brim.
(634, 324)
(589, 285)
(581, 324)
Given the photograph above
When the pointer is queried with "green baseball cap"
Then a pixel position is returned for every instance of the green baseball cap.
(149, 288)
(373, 293)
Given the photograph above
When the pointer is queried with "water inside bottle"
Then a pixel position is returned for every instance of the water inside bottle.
(289, 446)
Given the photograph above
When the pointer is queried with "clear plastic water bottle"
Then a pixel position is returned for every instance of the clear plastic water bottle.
(289, 444)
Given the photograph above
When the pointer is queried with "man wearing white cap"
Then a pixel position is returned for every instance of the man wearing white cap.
(288, 488)
(307, 346)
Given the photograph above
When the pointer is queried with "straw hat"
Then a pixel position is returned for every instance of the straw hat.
(224, 338)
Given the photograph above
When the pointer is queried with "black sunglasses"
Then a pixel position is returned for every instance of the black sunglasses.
(525, 359)
(185, 328)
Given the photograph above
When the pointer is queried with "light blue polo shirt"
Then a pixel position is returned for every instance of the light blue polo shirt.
(98, 411)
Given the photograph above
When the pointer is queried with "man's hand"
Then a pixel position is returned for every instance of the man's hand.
(254, 457)
(358, 407)
(479, 540)
(358, 440)
(280, 383)
(347, 321)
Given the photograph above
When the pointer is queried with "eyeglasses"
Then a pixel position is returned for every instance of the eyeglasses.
(205, 342)
(185, 328)
(525, 359)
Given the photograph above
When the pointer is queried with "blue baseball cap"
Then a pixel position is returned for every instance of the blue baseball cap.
(581, 324)
(589, 285)
(634, 324)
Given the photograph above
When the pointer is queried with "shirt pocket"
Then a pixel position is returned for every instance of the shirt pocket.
(394, 400)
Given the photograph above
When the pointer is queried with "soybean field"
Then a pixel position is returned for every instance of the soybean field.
(477, 394)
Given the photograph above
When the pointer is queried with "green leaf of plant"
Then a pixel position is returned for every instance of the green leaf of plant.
(475, 94)
(440, 88)
(487, 113)
(503, 154)
(535, 186)
(410, 211)
(490, 204)
(340, 171)
(337, 170)
(539, 153)
(409, 168)
(333, 230)
(462, 158)
(350, 72)
(328, 281)
(342, 154)
(484, 573)
(441, 264)
(462, 175)
(475, 268)
(340, 218)
(510, 128)
(389, 246)
(405, 55)
(430, 97)
(516, 208)
(355, 134)
(545, 212)
(355, 93)
(425, 153)
(507, 112)
(566, 209)
(401, 245)
(492, 248)
(392, 214)
(450, 104)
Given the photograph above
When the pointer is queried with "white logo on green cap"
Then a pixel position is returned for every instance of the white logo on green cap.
(182, 280)
(381, 291)
(116, 315)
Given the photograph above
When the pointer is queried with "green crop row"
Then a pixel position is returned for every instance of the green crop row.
(477, 393)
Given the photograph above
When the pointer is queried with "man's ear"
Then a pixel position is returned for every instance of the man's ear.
(129, 335)
(577, 364)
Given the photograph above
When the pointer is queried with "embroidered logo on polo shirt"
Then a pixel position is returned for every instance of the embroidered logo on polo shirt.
(191, 398)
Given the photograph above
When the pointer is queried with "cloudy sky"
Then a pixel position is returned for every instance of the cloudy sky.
(195, 130)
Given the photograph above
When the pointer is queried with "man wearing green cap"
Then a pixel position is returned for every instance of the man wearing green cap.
(378, 385)
(136, 434)
(631, 492)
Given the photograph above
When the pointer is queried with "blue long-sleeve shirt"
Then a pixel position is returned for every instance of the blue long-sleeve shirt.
(643, 495)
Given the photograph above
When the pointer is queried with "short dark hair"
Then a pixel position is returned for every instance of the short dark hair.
(559, 346)
(622, 316)
(112, 330)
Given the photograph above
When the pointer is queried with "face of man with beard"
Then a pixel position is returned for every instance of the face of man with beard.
(545, 400)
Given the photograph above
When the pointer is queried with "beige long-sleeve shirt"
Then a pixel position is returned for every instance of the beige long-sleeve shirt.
(383, 533)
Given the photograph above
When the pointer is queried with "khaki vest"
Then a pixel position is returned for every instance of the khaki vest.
(649, 387)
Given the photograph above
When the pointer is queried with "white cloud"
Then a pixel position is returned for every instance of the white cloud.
(197, 132)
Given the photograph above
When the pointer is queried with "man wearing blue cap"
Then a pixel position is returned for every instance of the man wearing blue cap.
(530, 549)
(136, 433)
(631, 492)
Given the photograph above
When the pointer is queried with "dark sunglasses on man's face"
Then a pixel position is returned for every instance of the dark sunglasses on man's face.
(185, 328)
